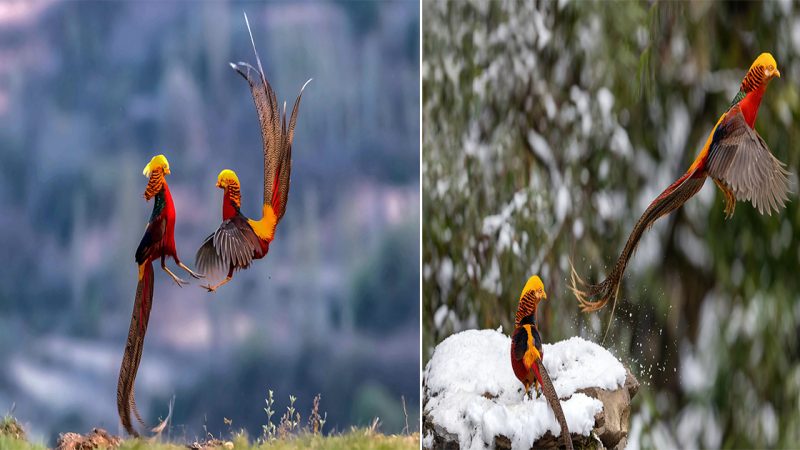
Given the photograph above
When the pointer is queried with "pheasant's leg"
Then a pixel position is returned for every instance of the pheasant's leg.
(730, 199)
(174, 277)
(193, 274)
(211, 288)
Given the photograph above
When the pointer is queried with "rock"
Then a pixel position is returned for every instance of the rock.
(98, 438)
(612, 424)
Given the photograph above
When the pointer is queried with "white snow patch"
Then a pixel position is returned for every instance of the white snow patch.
(472, 391)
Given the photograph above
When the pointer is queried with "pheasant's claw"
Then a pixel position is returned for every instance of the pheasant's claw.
(194, 275)
(209, 287)
(180, 282)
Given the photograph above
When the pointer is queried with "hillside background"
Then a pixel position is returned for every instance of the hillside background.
(548, 129)
(89, 91)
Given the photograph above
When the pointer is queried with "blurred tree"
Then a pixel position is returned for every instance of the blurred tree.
(548, 127)
(386, 278)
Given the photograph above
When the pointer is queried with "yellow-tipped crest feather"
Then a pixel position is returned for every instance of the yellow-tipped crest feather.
(227, 177)
(156, 162)
(764, 60)
(534, 284)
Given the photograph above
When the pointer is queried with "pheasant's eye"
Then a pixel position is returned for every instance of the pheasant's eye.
(770, 67)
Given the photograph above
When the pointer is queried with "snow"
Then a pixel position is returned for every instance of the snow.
(472, 392)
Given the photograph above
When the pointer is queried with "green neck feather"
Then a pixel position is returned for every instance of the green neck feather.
(739, 97)
(158, 205)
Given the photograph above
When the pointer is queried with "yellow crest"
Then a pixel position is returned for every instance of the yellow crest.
(534, 285)
(227, 177)
(157, 162)
(766, 62)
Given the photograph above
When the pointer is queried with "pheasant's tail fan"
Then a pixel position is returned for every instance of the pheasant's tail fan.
(277, 133)
(552, 398)
(268, 115)
(282, 180)
(132, 357)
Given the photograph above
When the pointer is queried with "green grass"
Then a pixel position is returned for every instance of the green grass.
(287, 433)
(359, 439)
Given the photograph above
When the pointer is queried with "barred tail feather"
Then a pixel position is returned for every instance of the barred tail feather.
(592, 297)
(126, 402)
(552, 398)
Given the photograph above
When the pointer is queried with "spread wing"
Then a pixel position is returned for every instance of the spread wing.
(740, 159)
(276, 133)
(232, 245)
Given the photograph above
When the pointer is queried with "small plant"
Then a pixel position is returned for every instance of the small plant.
(290, 420)
(289, 425)
(315, 421)
(268, 430)
(11, 428)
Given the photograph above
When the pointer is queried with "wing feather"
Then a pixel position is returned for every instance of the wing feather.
(740, 159)
(233, 244)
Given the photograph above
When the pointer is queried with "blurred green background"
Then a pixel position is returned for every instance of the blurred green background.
(548, 128)
(89, 91)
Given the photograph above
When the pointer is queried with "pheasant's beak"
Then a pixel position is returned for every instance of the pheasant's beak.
(166, 171)
(777, 73)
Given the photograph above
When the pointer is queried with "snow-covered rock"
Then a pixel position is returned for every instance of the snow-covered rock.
(472, 400)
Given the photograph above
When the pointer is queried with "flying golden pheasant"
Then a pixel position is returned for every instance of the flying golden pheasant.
(734, 156)
(240, 240)
(158, 242)
(526, 352)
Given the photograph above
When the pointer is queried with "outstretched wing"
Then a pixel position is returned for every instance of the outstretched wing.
(740, 159)
(276, 133)
(233, 244)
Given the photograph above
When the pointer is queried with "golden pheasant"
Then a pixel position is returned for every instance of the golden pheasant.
(526, 352)
(734, 156)
(158, 242)
(240, 240)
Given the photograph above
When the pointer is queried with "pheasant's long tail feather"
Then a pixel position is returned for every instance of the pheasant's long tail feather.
(132, 357)
(595, 296)
(552, 398)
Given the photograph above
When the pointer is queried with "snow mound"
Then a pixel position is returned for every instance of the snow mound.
(471, 391)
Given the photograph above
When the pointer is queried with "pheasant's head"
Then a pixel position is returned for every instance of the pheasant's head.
(158, 162)
(227, 178)
(532, 294)
(535, 288)
(228, 181)
(763, 69)
(155, 171)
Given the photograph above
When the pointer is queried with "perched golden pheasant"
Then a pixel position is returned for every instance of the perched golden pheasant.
(240, 240)
(158, 242)
(526, 352)
(734, 156)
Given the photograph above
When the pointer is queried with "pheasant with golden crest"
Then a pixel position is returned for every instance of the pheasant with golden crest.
(158, 242)
(734, 156)
(239, 240)
(526, 352)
